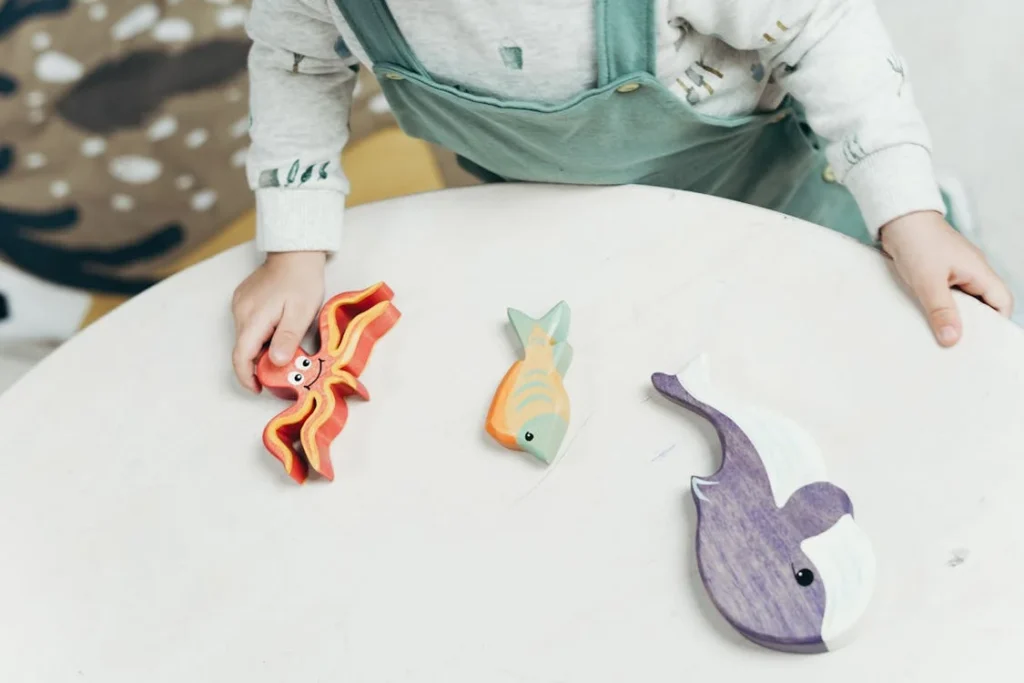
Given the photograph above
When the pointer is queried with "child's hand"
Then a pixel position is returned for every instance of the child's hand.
(280, 298)
(932, 257)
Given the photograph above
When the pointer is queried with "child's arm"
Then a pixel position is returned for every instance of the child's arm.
(300, 98)
(836, 58)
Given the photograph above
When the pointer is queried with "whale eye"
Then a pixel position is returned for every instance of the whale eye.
(295, 378)
(528, 436)
(804, 577)
(303, 363)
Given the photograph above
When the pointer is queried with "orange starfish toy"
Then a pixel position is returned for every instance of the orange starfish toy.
(350, 324)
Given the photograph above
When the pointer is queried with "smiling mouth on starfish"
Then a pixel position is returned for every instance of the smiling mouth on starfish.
(318, 373)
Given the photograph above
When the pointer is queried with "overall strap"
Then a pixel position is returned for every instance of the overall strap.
(625, 38)
(378, 33)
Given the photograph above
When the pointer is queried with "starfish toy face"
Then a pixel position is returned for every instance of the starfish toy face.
(301, 436)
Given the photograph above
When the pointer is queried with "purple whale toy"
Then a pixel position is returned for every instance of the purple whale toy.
(777, 547)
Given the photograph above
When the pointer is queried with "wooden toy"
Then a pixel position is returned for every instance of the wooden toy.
(530, 410)
(778, 550)
(350, 324)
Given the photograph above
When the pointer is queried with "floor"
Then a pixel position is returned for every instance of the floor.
(17, 359)
(968, 83)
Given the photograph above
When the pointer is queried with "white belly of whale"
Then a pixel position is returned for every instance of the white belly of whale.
(846, 567)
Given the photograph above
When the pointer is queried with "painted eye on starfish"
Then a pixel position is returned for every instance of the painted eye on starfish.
(303, 363)
(296, 378)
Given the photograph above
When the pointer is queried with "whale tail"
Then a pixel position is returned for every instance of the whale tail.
(684, 389)
(763, 439)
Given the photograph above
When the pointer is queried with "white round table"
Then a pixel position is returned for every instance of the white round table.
(147, 535)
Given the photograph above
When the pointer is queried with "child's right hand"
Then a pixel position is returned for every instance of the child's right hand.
(280, 298)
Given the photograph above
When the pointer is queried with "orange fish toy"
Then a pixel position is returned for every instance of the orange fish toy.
(350, 324)
(530, 410)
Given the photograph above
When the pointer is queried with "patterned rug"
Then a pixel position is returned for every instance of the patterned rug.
(123, 133)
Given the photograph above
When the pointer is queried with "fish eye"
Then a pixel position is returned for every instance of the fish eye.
(295, 378)
(303, 363)
(804, 577)
(528, 436)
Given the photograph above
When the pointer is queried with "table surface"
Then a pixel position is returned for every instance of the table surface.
(148, 536)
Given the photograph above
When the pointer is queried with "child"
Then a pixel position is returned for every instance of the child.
(726, 97)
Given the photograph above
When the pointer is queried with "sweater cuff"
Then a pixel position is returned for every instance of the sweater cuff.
(299, 220)
(893, 183)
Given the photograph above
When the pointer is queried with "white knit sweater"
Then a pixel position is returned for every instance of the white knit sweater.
(834, 56)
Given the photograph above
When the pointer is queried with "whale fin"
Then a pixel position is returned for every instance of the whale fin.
(700, 486)
(789, 454)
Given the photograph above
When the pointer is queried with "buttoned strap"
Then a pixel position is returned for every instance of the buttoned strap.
(378, 33)
(625, 38)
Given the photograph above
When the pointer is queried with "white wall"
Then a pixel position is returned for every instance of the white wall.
(966, 61)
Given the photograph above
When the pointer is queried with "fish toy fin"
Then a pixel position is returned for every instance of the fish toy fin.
(563, 357)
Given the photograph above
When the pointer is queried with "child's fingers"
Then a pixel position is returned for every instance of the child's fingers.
(252, 334)
(294, 322)
(988, 287)
(937, 300)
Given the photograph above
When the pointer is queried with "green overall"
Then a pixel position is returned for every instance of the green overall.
(629, 129)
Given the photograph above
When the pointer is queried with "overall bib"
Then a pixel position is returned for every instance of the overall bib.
(628, 129)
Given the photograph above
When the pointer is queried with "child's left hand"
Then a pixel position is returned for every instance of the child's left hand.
(932, 257)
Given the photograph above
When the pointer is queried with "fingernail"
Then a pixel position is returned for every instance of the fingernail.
(947, 334)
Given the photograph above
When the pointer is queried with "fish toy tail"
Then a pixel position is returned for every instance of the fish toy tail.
(555, 323)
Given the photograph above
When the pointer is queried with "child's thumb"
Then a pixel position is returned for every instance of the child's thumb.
(288, 335)
(937, 300)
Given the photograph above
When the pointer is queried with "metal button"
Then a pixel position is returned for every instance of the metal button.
(628, 87)
(392, 76)
(828, 175)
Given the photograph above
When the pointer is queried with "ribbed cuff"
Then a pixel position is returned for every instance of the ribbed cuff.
(299, 220)
(892, 183)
